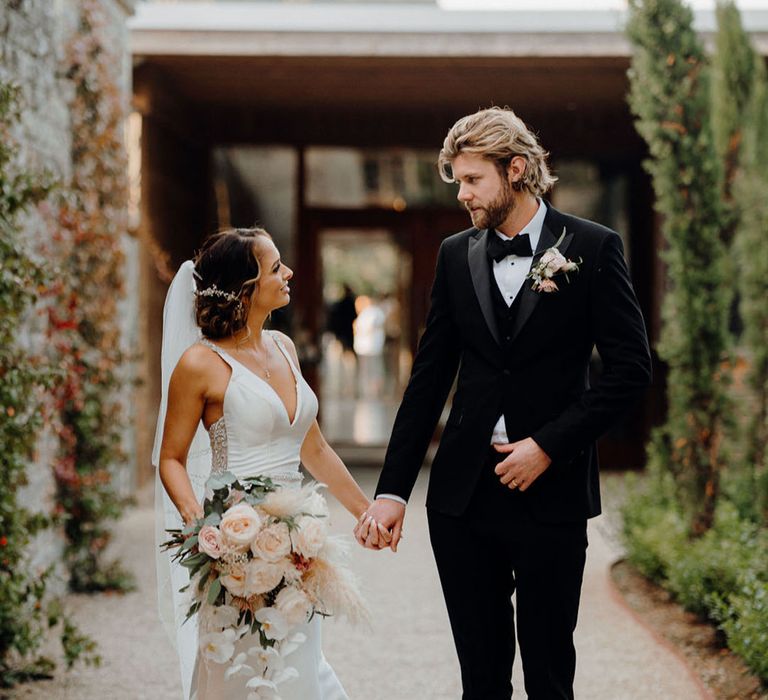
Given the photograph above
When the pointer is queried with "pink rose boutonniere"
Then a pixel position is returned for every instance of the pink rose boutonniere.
(552, 263)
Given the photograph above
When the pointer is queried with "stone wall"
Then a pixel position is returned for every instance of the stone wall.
(33, 37)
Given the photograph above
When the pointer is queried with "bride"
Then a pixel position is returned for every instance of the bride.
(234, 397)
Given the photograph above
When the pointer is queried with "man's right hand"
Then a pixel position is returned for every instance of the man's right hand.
(386, 513)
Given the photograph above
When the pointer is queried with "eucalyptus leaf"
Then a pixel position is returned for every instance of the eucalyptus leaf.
(194, 560)
(189, 543)
(213, 591)
(203, 573)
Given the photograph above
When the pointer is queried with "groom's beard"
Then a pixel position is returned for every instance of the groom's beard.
(495, 213)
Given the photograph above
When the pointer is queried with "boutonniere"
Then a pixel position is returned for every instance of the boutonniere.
(552, 263)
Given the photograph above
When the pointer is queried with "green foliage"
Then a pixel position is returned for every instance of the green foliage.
(751, 256)
(733, 67)
(745, 623)
(710, 569)
(24, 619)
(654, 529)
(670, 97)
(722, 576)
(694, 526)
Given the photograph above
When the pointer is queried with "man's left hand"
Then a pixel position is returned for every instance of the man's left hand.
(526, 463)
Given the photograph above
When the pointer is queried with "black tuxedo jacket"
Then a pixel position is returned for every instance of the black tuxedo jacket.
(539, 382)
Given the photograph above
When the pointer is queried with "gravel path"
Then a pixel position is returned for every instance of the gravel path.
(408, 655)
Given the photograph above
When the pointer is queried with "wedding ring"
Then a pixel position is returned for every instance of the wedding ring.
(514, 483)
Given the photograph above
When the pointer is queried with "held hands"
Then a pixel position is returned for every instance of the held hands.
(381, 525)
(526, 463)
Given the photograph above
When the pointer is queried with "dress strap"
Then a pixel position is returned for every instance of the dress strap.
(221, 352)
(281, 346)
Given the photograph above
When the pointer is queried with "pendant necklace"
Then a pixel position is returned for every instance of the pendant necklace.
(264, 367)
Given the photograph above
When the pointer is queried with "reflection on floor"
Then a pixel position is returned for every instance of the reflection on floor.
(359, 398)
(363, 422)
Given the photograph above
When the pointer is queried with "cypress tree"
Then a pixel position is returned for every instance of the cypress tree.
(733, 67)
(670, 97)
(751, 253)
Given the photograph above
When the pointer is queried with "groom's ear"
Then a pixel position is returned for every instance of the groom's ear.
(516, 170)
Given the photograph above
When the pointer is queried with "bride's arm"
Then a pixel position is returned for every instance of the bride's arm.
(186, 400)
(326, 466)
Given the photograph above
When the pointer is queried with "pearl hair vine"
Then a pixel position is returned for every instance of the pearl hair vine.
(214, 291)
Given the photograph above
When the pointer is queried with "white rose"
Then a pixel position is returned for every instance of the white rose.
(239, 525)
(294, 604)
(234, 581)
(554, 263)
(262, 577)
(310, 537)
(547, 258)
(218, 646)
(272, 543)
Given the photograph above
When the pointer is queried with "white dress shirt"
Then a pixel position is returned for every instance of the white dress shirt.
(510, 275)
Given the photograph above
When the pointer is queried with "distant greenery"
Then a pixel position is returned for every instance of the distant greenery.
(698, 525)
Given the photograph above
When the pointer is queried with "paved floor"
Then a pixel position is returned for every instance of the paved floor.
(408, 655)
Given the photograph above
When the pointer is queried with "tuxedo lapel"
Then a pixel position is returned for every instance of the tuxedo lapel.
(481, 279)
(547, 239)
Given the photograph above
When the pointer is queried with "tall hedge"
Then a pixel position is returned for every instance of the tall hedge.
(670, 98)
(751, 256)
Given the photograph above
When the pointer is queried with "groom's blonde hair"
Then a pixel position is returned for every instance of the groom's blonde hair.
(499, 135)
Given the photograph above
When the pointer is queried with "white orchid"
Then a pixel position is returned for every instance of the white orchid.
(239, 667)
(287, 674)
(262, 689)
(266, 657)
(273, 623)
(218, 646)
(221, 617)
(292, 643)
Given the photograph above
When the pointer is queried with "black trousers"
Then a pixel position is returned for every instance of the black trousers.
(495, 548)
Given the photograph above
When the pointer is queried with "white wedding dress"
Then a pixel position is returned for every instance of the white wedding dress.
(256, 437)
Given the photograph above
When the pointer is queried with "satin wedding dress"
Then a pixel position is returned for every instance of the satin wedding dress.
(257, 437)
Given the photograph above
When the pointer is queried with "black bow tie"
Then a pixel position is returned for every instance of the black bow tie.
(498, 249)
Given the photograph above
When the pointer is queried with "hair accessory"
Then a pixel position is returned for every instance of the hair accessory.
(214, 291)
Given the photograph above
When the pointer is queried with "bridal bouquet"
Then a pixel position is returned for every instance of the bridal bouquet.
(261, 564)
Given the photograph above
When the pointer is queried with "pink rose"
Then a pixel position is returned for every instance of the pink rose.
(210, 542)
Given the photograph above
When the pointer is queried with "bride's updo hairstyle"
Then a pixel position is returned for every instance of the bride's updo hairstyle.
(227, 273)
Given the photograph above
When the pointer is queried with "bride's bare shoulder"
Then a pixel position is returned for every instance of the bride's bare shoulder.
(197, 363)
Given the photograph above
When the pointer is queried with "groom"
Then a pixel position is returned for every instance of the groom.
(516, 476)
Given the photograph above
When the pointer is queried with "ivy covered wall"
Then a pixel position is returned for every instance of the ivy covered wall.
(39, 45)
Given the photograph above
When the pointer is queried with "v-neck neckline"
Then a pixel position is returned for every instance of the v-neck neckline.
(291, 423)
